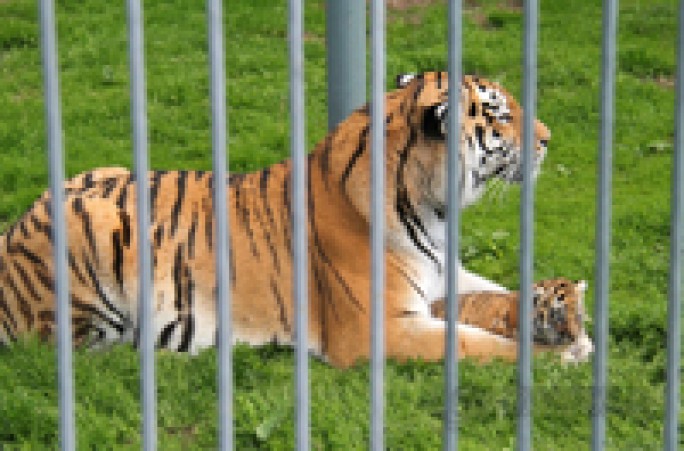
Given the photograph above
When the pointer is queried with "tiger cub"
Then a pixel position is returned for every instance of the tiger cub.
(558, 315)
(103, 238)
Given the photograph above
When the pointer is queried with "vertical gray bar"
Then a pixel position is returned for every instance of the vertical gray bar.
(346, 57)
(603, 225)
(377, 203)
(674, 307)
(453, 205)
(299, 224)
(139, 123)
(53, 121)
(527, 226)
(217, 77)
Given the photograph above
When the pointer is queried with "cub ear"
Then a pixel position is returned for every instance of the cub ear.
(581, 285)
(403, 80)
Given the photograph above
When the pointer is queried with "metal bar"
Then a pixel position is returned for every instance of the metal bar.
(217, 75)
(603, 219)
(527, 226)
(674, 307)
(53, 119)
(139, 124)
(346, 57)
(299, 183)
(377, 209)
(450, 441)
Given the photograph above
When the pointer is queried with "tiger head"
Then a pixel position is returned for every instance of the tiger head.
(491, 133)
(559, 314)
(416, 153)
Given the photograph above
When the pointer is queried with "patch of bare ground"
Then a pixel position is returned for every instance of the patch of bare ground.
(474, 9)
(313, 37)
(403, 5)
(663, 81)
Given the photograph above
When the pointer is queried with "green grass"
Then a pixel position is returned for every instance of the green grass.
(95, 105)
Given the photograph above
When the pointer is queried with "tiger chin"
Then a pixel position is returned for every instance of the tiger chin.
(102, 239)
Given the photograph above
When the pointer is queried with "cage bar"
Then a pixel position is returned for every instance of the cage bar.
(674, 309)
(377, 202)
(603, 219)
(346, 57)
(299, 242)
(139, 126)
(450, 440)
(53, 119)
(217, 75)
(524, 439)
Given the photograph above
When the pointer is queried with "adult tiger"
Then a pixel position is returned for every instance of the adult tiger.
(100, 207)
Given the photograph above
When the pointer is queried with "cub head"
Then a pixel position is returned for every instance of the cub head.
(558, 311)
(491, 133)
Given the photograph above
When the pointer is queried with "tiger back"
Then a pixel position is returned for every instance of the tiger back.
(102, 239)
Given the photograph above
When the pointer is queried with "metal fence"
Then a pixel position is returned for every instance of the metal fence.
(218, 111)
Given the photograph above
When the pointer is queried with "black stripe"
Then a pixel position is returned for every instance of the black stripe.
(24, 230)
(125, 228)
(45, 279)
(158, 235)
(5, 308)
(74, 267)
(100, 292)
(479, 134)
(321, 253)
(177, 274)
(287, 222)
(78, 304)
(188, 332)
(8, 331)
(43, 227)
(323, 286)
(182, 184)
(24, 306)
(122, 198)
(360, 148)
(88, 180)
(166, 333)
(46, 315)
(109, 185)
(231, 257)
(10, 233)
(154, 190)
(244, 214)
(410, 281)
(82, 330)
(80, 211)
(325, 159)
(117, 258)
(439, 80)
(281, 307)
(30, 256)
(192, 233)
(403, 206)
(209, 216)
(263, 185)
(28, 283)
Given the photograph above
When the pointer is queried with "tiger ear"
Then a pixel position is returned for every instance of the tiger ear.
(403, 80)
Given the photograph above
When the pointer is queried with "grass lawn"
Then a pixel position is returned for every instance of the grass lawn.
(95, 104)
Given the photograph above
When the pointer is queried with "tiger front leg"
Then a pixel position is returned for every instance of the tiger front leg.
(424, 338)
